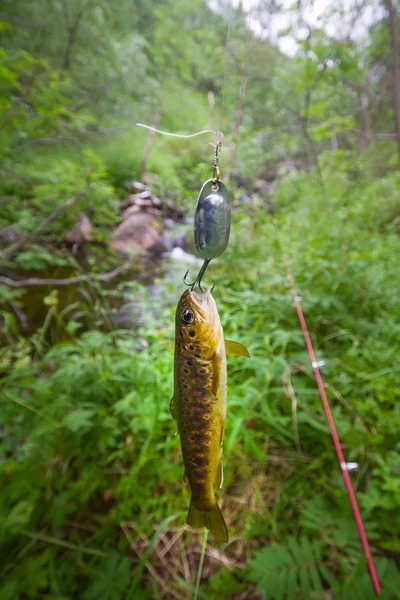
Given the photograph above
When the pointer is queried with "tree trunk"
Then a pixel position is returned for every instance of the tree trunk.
(150, 139)
(72, 33)
(396, 66)
(366, 125)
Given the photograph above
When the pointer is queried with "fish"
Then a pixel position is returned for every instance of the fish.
(199, 404)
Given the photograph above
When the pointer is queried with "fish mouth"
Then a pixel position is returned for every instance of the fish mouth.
(200, 305)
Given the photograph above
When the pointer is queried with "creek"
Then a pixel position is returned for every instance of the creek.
(61, 312)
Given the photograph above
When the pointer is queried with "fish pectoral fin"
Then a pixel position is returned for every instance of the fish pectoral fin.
(219, 480)
(172, 409)
(236, 349)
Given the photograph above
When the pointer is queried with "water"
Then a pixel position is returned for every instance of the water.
(66, 311)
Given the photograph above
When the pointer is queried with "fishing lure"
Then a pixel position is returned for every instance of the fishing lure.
(199, 403)
(212, 219)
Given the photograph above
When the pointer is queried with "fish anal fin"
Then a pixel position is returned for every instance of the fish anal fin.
(219, 479)
(236, 349)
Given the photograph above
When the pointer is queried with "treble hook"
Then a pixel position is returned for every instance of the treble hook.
(199, 277)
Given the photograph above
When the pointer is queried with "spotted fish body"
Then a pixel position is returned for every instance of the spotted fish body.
(199, 404)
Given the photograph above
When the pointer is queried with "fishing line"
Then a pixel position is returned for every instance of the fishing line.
(177, 135)
(343, 465)
(227, 45)
(232, 159)
(201, 563)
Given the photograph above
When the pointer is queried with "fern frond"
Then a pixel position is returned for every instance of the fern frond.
(287, 572)
(296, 570)
(359, 586)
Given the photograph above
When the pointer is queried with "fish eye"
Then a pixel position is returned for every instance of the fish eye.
(188, 315)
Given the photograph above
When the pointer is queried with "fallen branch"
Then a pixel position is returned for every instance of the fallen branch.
(20, 314)
(68, 281)
(34, 234)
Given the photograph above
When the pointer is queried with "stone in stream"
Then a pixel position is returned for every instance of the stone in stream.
(144, 198)
(141, 228)
(139, 231)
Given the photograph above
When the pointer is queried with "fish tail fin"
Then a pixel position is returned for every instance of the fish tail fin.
(210, 517)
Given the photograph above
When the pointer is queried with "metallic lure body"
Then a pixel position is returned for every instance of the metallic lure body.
(199, 404)
(212, 219)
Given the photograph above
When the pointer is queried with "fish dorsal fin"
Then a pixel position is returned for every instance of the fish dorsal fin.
(172, 409)
(236, 349)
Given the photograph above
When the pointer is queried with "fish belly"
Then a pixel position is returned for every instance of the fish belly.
(201, 425)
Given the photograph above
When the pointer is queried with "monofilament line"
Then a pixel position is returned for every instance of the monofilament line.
(227, 46)
(178, 135)
(201, 563)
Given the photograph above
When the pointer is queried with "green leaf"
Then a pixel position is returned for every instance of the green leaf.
(279, 570)
(81, 418)
(109, 579)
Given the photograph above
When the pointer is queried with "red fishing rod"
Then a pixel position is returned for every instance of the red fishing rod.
(343, 465)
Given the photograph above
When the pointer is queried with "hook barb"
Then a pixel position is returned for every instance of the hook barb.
(199, 277)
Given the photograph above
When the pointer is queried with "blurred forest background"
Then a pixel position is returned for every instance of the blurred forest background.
(93, 209)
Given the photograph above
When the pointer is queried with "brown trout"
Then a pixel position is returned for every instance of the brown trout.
(199, 404)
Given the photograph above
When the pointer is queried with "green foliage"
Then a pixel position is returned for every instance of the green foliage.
(38, 258)
(34, 102)
(109, 579)
(282, 570)
(96, 410)
(91, 494)
(296, 569)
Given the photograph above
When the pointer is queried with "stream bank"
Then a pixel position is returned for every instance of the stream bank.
(147, 247)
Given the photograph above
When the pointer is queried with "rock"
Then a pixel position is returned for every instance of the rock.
(182, 256)
(169, 223)
(144, 198)
(172, 239)
(139, 231)
(131, 210)
(143, 202)
(9, 234)
(180, 241)
(137, 186)
(141, 216)
(171, 211)
(156, 202)
(153, 211)
(82, 231)
(263, 187)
